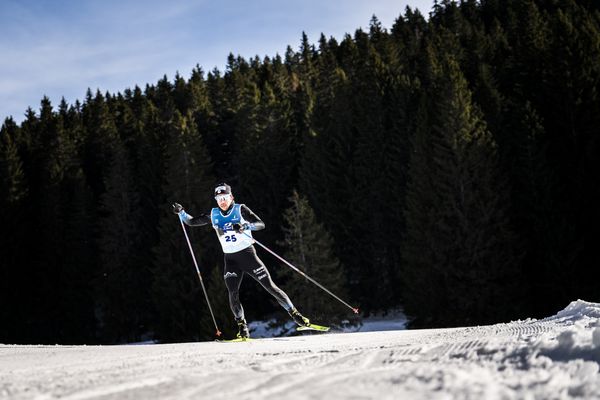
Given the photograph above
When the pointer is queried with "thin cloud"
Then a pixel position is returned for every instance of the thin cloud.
(62, 48)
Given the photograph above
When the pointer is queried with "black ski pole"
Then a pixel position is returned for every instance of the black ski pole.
(200, 277)
(354, 309)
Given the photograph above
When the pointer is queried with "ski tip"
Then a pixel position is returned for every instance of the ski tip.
(313, 327)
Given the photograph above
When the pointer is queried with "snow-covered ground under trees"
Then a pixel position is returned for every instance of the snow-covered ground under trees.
(553, 358)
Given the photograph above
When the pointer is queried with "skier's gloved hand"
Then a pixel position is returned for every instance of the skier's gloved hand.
(177, 208)
(239, 228)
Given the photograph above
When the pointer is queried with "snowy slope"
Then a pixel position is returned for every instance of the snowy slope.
(391, 321)
(553, 358)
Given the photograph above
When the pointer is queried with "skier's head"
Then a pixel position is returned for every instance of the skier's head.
(222, 188)
(223, 196)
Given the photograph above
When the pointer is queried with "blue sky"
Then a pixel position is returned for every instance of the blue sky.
(62, 48)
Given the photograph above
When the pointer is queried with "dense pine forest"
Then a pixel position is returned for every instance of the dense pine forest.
(448, 165)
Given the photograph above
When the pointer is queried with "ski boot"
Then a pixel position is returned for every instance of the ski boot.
(243, 332)
(299, 318)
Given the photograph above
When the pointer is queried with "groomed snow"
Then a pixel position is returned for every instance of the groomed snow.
(553, 358)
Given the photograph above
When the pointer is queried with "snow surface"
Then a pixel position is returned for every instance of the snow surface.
(552, 358)
(391, 321)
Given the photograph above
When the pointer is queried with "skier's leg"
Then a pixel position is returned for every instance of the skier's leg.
(261, 274)
(233, 279)
(263, 277)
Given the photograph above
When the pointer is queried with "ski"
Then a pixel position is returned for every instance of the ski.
(234, 340)
(313, 327)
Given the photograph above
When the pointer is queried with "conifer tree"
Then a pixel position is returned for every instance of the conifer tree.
(122, 284)
(459, 239)
(407, 34)
(100, 134)
(176, 292)
(376, 170)
(301, 80)
(267, 159)
(26, 272)
(570, 102)
(77, 264)
(220, 138)
(13, 183)
(309, 246)
(46, 267)
(60, 262)
(145, 143)
(534, 182)
(76, 293)
(324, 174)
(13, 195)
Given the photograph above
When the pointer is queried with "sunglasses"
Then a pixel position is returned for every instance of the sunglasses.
(222, 197)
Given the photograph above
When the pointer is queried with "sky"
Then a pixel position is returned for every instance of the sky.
(61, 48)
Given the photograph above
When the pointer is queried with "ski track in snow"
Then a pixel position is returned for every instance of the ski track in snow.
(553, 358)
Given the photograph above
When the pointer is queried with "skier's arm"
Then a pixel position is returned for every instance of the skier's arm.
(200, 220)
(254, 223)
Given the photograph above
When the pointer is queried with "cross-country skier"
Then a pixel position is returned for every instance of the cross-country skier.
(234, 224)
